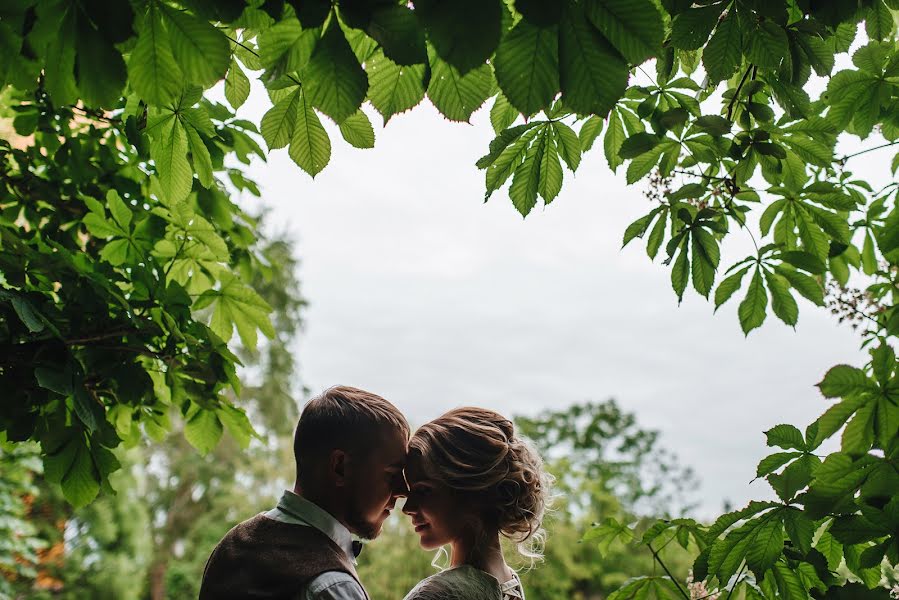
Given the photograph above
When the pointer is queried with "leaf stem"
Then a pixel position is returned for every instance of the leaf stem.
(256, 54)
(662, 564)
(866, 150)
(730, 105)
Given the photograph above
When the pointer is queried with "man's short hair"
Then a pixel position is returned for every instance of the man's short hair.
(342, 417)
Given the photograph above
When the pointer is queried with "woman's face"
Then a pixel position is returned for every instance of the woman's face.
(436, 513)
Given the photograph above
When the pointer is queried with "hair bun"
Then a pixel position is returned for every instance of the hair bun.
(476, 452)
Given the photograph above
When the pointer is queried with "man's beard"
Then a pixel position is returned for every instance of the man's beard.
(355, 518)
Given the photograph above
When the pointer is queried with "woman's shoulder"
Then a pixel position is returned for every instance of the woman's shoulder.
(461, 583)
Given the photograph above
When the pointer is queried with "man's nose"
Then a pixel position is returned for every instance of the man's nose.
(399, 487)
(409, 506)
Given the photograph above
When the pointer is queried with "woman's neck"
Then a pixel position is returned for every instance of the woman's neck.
(483, 552)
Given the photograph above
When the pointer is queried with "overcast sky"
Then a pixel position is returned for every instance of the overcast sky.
(422, 293)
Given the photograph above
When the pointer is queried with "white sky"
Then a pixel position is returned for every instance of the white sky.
(422, 293)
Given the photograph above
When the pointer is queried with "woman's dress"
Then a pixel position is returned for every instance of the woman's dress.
(466, 583)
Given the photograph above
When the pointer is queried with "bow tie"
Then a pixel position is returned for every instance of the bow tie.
(357, 548)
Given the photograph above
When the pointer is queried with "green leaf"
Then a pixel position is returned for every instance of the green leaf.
(357, 131)
(800, 528)
(333, 80)
(32, 319)
(794, 478)
(723, 54)
(310, 146)
(752, 309)
(568, 144)
(714, 124)
(638, 144)
(278, 122)
(755, 542)
(805, 285)
(168, 149)
(785, 436)
(883, 362)
(703, 267)
(397, 31)
(656, 236)
(237, 305)
(152, 70)
(773, 462)
(457, 96)
(878, 21)
(459, 39)
(202, 51)
(789, 585)
(100, 69)
(393, 88)
(592, 75)
(237, 86)
(729, 286)
(835, 417)
(607, 533)
(203, 429)
(643, 164)
(81, 482)
(843, 380)
(502, 114)
(691, 29)
(510, 157)
(590, 130)
(54, 380)
(633, 26)
(527, 66)
(200, 154)
(550, 168)
(237, 424)
(120, 212)
(767, 545)
(782, 302)
(526, 181)
(858, 437)
(767, 45)
(286, 47)
(845, 91)
(831, 549)
(612, 142)
(680, 272)
(638, 228)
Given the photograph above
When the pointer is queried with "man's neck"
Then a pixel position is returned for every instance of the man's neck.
(323, 501)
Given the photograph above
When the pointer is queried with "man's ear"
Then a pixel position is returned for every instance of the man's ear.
(337, 466)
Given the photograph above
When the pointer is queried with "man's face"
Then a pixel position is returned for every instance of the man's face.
(374, 481)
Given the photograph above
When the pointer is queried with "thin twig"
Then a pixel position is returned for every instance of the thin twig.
(866, 150)
(730, 105)
(256, 54)
(658, 559)
(98, 337)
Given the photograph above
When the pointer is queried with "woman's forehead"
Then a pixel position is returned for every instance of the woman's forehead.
(414, 468)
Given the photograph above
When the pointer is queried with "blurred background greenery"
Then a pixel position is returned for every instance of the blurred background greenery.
(151, 539)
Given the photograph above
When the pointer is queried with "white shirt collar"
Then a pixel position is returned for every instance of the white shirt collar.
(293, 508)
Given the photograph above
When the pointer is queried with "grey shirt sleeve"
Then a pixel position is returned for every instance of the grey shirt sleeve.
(334, 585)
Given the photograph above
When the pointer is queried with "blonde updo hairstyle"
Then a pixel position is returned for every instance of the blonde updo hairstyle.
(475, 453)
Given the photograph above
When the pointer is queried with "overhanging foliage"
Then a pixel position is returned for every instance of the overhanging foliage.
(124, 261)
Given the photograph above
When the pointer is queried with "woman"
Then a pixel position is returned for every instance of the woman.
(471, 480)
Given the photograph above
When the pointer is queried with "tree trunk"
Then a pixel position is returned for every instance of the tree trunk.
(157, 580)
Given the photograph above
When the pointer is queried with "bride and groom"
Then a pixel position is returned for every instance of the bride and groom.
(466, 477)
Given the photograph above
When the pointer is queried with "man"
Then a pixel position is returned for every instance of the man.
(350, 448)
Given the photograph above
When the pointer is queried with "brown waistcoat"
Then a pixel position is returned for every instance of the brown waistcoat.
(262, 558)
